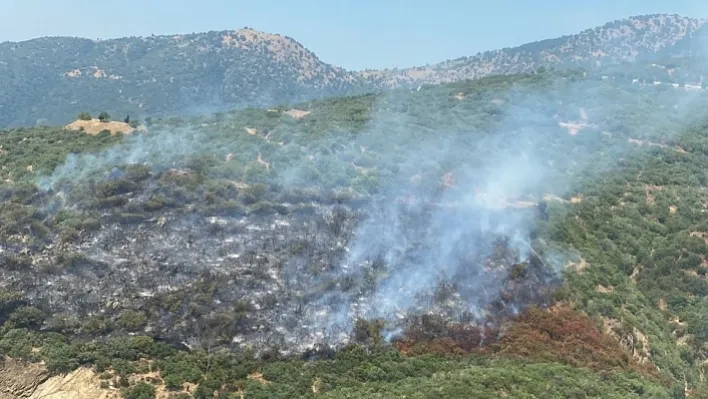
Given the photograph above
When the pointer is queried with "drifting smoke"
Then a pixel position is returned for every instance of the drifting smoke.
(437, 221)
(455, 200)
(459, 193)
(160, 150)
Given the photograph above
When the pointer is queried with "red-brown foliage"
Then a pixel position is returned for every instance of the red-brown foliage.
(437, 346)
(569, 337)
(561, 335)
(430, 334)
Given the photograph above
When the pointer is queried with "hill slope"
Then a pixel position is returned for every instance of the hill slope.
(638, 38)
(477, 238)
(48, 79)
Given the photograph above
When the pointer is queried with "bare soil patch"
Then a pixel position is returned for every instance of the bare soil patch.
(642, 143)
(94, 127)
(648, 190)
(604, 290)
(573, 128)
(701, 235)
(82, 383)
(578, 266)
(297, 113)
(258, 377)
(635, 273)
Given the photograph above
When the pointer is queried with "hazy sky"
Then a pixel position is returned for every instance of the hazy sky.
(354, 34)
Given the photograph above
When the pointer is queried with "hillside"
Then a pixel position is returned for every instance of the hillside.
(47, 81)
(636, 39)
(471, 239)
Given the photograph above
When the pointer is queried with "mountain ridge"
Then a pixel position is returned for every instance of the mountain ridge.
(49, 80)
(598, 42)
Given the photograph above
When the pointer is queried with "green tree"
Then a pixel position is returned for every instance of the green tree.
(26, 316)
(140, 390)
(104, 117)
(132, 320)
(84, 116)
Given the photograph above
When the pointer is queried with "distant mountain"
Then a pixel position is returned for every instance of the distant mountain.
(693, 44)
(628, 40)
(50, 80)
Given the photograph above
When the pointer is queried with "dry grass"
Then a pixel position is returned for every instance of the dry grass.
(573, 200)
(261, 161)
(604, 290)
(577, 199)
(364, 171)
(642, 143)
(579, 266)
(316, 384)
(297, 113)
(94, 127)
(258, 377)
(648, 190)
(641, 347)
(635, 273)
(94, 71)
(701, 235)
(576, 126)
(240, 185)
(637, 342)
(573, 128)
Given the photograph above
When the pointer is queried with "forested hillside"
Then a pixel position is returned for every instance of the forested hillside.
(635, 41)
(47, 81)
(531, 235)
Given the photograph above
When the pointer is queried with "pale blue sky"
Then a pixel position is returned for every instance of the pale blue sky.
(354, 34)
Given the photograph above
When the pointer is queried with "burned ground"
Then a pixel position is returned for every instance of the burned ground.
(245, 274)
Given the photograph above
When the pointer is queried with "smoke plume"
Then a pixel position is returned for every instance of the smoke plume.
(454, 186)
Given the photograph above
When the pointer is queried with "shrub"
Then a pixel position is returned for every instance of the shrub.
(140, 390)
(84, 116)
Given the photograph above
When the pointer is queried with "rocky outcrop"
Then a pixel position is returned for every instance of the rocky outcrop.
(19, 379)
(82, 383)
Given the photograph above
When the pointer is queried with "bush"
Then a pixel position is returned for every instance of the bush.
(68, 235)
(26, 316)
(132, 320)
(140, 390)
